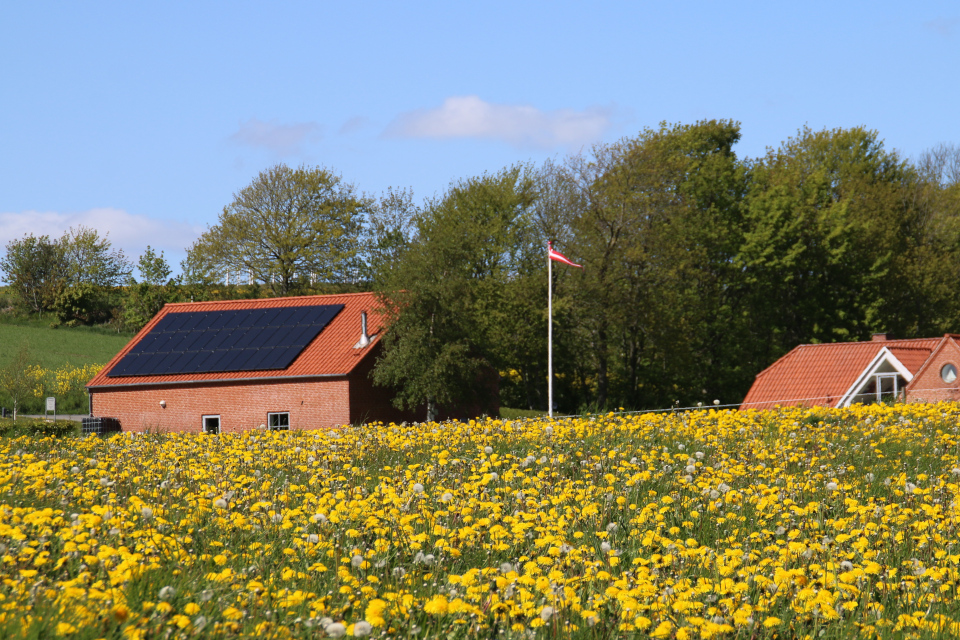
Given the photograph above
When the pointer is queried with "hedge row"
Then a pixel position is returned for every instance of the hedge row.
(37, 427)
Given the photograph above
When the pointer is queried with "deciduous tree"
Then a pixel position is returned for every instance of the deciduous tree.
(656, 226)
(92, 258)
(15, 378)
(37, 270)
(830, 236)
(144, 299)
(287, 229)
(445, 293)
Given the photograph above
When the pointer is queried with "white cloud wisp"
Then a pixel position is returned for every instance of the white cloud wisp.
(522, 126)
(282, 139)
(127, 231)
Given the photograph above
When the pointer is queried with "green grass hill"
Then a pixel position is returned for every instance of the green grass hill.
(54, 348)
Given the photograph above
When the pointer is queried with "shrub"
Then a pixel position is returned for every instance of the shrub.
(38, 428)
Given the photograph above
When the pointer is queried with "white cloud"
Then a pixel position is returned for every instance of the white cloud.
(354, 124)
(518, 125)
(282, 139)
(127, 231)
(943, 26)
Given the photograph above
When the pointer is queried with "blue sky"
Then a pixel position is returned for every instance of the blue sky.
(142, 119)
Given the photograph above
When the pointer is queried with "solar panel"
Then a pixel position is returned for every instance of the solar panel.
(221, 341)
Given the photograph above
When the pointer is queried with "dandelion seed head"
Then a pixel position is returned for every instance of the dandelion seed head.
(362, 628)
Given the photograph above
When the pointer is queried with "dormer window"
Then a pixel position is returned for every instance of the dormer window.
(884, 380)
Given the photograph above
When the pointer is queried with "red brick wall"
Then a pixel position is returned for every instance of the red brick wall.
(928, 386)
(369, 403)
(241, 405)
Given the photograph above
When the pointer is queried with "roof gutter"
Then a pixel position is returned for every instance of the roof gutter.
(169, 383)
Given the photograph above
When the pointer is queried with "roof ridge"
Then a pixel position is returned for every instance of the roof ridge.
(864, 342)
(918, 348)
(313, 295)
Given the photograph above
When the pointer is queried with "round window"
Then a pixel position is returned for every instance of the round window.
(948, 373)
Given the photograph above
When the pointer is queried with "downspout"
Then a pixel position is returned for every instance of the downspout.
(89, 402)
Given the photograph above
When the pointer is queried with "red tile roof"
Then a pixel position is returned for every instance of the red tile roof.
(331, 353)
(819, 374)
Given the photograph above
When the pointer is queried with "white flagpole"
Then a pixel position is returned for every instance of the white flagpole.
(549, 331)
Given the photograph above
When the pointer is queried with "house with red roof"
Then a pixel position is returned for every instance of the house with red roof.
(280, 363)
(843, 373)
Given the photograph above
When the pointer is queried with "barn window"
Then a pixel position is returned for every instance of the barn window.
(948, 373)
(211, 424)
(279, 421)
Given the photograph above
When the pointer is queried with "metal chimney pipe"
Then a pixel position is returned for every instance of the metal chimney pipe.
(364, 338)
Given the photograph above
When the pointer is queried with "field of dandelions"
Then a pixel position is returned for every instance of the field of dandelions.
(810, 523)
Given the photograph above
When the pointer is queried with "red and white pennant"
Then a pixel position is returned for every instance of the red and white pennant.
(559, 257)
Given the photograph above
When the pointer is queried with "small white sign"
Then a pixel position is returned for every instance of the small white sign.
(51, 404)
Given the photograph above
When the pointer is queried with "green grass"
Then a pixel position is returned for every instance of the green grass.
(54, 348)
(513, 414)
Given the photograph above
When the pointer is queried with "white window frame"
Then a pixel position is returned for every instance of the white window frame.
(203, 423)
(879, 378)
(869, 374)
(279, 427)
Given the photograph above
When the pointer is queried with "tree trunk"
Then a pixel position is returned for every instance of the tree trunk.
(602, 368)
(431, 410)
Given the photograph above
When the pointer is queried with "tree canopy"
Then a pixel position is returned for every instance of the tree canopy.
(447, 287)
(288, 229)
(701, 267)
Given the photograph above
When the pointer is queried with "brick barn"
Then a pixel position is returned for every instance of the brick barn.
(843, 373)
(281, 363)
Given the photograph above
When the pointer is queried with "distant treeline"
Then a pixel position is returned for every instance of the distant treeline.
(700, 268)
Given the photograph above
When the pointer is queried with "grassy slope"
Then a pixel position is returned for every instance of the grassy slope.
(53, 348)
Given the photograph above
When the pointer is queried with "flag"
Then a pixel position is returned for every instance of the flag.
(559, 257)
